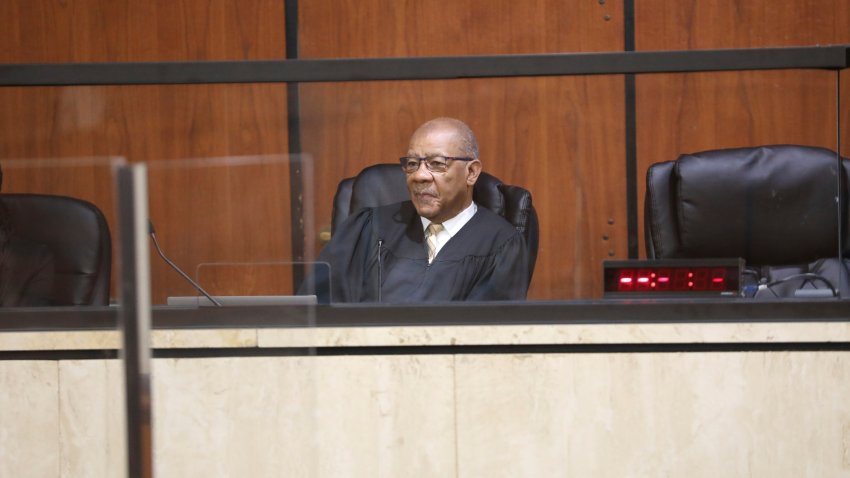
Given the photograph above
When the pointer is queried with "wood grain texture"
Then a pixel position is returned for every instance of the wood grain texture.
(561, 138)
(684, 113)
(158, 123)
(253, 278)
(232, 210)
(387, 28)
(693, 24)
(47, 31)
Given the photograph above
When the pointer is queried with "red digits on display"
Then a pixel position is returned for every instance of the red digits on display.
(675, 279)
(643, 279)
(718, 279)
(626, 281)
(663, 279)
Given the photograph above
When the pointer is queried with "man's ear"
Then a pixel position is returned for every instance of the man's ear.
(472, 172)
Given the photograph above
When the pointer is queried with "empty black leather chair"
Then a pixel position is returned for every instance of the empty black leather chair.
(384, 184)
(77, 235)
(773, 206)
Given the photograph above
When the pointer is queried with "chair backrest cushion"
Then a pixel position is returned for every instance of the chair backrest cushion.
(342, 203)
(77, 234)
(769, 205)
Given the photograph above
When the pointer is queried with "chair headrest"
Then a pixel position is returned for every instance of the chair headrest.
(378, 185)
(77, 234)
(769, 204)
(488, 193)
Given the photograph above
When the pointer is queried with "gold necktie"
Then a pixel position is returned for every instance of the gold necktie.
(431, 239)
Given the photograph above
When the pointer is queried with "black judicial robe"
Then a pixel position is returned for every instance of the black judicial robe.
(379, 255)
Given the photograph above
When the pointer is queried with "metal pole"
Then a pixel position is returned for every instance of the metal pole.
(136, 316)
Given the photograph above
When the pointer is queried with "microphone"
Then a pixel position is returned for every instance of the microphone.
(197, 287)
(380, 269)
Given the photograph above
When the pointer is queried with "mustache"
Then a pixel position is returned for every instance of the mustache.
(424, 190)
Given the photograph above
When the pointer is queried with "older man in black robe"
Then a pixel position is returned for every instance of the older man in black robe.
(440, 245)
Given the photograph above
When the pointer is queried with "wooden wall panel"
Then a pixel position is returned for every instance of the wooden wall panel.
(683, 113)
(50, 31)
(381, 28)
(562, 138)
(694, 24)
(160, 123)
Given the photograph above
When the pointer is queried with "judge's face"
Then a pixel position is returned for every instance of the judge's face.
(441, 196)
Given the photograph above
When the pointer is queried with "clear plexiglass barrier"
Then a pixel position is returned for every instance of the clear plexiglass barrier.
(712, 166)
(589, 191)
(230, 227)
(716, 166)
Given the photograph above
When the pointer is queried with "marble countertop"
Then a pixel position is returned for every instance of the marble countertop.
(441, 335)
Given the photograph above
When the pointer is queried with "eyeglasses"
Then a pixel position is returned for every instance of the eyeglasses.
(435, 164)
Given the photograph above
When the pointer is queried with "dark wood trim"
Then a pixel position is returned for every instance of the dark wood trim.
(424, 68)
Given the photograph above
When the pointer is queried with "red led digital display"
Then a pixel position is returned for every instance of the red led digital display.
(672, 278)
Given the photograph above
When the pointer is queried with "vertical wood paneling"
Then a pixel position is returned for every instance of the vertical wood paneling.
(693, 112)
(382, 28)
(562, 138)
(153, 123)
(49, 31)
(694, 24)
(159, 123)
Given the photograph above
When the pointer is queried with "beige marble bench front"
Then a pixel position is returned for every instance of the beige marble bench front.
(270, 401)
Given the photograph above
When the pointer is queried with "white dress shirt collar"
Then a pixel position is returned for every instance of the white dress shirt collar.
(453, 225)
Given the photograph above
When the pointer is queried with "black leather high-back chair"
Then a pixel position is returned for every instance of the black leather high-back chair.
(77, 234)
(383, 184)
(770, 205)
